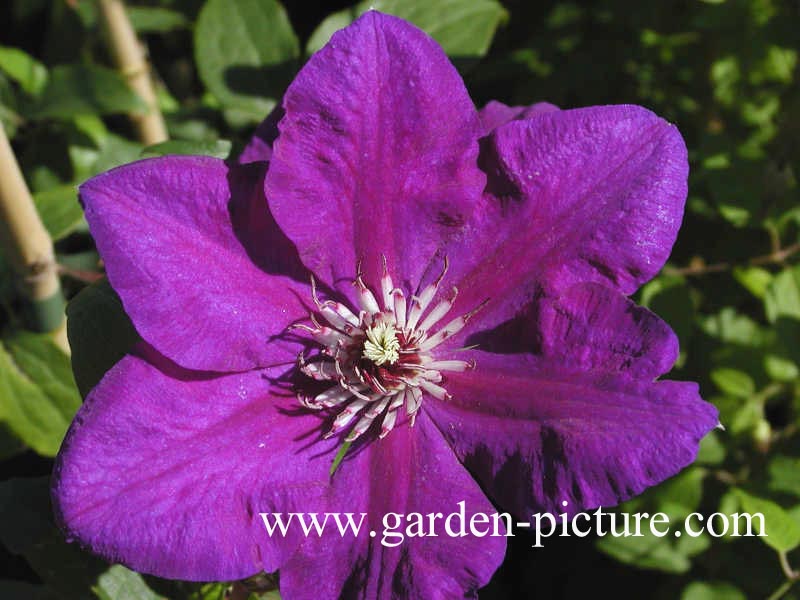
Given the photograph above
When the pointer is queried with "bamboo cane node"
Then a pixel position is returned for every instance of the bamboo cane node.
(41, 270)
(40, 280)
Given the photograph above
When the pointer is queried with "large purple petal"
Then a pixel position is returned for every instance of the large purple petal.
(566, 409)
(377, 153)
(410, 471)
(592, 194)
(591, 328)
(201, 267)
(167, 472)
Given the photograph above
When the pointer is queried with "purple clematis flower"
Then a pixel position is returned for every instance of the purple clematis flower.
(443, 288)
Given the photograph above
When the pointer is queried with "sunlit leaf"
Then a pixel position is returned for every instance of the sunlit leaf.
(119, 583)
(669, 554)
(60, 210)
(755, 279)
(782, 298)
(734, 382)
(245, 52)
(718, 590)
(38, 397)
(217, 148)
(464, 28)
(783, 532)
(155, 19)
(29, 73)
(77, 89)
(784, 475)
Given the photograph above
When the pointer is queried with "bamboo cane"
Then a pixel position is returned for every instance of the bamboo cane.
(130, 60)
(29, 249)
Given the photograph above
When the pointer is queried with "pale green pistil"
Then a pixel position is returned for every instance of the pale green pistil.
(382, 346)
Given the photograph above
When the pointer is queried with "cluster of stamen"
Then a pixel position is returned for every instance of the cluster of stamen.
(381, 359)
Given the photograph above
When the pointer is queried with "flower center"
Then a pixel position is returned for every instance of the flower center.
(380, 357)
(382, 345)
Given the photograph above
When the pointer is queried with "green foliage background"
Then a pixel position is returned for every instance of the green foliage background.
(724, 71)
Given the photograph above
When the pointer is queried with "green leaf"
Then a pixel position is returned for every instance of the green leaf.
(717, 590)
(754, 279)
(783, 475)
(85, 90)
(210, 591)
(185, 127)
(733, 382)
(246, 53)
(680, 495)
(100, 333)
(28, 529)
(737, 215)
(732, 328)
(668, 554)
(778, 66)
(93, 149)
(84, 140)
(464, 28)
(29, 73)
(152, 19)
(38, 397)
(217, 148)
(670, 299)
(115, 151)
(712, 451)
(780, 368)
(93, 127)
(729, 504)
(782, 298)
(739, 415)
(332, 23)
(783, 532)
(725, 75)
(119, 583)
(60, 210)
(794, 513)
(10, 120)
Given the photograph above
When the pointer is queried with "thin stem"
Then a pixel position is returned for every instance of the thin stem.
(130, 59)
(775, 257)
(774, 237)
(790, 573)
(791, 577)
(781, 591)
(81, 275)
(29, 249)
(779, 256)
